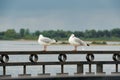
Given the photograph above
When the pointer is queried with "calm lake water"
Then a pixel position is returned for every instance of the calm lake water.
(34, 70)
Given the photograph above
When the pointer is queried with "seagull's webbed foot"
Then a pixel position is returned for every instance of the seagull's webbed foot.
(75, 49)
(44, 50)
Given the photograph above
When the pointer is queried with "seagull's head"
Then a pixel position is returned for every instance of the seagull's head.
(40, 35)
(72, 35)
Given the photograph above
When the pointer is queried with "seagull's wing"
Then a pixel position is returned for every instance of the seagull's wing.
(77, 40)
(81, 42)
(45, 40)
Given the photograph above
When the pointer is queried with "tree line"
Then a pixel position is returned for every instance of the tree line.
(11, 34)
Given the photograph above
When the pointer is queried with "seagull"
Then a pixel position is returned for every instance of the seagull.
(76, 42)
(45, 41)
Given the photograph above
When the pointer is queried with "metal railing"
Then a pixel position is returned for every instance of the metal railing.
(62, 60)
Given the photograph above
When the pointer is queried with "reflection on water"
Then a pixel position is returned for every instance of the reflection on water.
(34, 70)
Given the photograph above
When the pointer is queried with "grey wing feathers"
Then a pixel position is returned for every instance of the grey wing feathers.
(81, 42)
(77, 40)
(46, 40)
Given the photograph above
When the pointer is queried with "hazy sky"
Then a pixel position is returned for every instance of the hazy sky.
(59, 14)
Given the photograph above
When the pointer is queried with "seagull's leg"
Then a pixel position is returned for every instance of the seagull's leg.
(75, 48)
(45, 48)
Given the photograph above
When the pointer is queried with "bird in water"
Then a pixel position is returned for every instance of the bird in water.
(76, 42)
(45, 41)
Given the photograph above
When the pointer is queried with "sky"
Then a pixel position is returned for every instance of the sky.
(74, 15)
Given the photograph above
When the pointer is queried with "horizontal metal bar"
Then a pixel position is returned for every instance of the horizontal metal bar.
(58, 63)
(64, 77)
(57, 52)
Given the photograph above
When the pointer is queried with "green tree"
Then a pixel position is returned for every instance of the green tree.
(27, 32)
(90, 33)
(2, 35)
(100, 34)
(107, 33)
(93, 33)
(115, 32)
(79, 33)
(61, 34)
(11, 34)
(37, 33)
(87, 34)
(22, 32)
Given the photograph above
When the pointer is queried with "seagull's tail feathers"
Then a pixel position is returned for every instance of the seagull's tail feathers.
(53, 41)
(88, 44)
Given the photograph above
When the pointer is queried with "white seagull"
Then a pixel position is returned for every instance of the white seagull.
(76, 42)
(45, 41)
